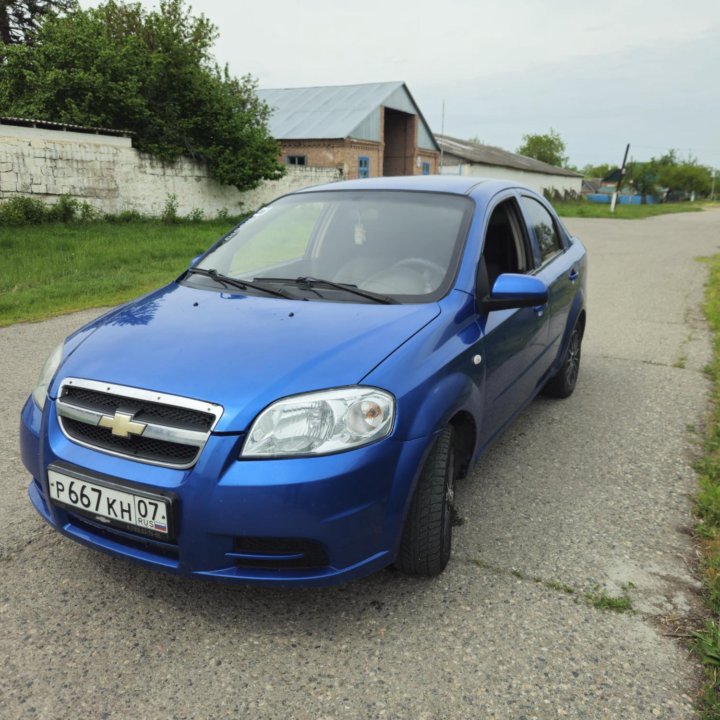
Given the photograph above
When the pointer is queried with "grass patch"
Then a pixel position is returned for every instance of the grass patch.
(585, 208)
(52, 269)
(560, 587)
(707, 507)
(597, 599)
(708, 649)
(602, 601)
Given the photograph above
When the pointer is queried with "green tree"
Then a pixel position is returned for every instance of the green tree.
(548, 148)
(150, 72)
(598, 171)
(683, 177)
(20, 19)
(643, 177)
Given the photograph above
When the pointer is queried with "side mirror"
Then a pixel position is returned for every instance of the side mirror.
(515, 291)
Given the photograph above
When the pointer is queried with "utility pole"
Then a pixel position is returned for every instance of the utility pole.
(613, 202)
(712, 191)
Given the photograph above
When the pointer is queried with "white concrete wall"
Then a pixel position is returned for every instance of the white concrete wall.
(109, 174)
(537, 181)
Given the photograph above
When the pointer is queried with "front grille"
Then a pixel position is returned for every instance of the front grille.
(278, 553)
(151, 427)
(141, 410)
(140, 448)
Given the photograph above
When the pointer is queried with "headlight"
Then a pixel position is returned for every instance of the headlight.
(46, 375)
(321, 422)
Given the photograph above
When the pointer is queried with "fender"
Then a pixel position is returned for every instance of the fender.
(446, 397)
(577, 308)
(433, 373)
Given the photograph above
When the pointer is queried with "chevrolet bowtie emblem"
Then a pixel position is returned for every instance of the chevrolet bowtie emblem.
(122, 424)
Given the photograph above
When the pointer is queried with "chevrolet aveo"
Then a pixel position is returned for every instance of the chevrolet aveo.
(296, 407)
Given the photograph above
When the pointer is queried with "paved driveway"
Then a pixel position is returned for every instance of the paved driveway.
(584, 496)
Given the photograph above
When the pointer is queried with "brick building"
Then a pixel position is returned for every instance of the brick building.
(362, 130)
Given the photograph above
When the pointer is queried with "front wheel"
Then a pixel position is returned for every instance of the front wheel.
(427, 535)
(563, 384)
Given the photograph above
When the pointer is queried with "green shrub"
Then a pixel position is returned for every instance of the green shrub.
(65, 210)
(170, 211)
(22, 210)
(124, 216)
(88, 213)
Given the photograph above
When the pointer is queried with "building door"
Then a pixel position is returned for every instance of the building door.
(400, 132)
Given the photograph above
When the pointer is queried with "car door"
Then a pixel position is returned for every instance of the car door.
(555, 267)
(514, 341)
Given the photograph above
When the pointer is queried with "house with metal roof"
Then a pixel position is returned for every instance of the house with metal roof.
(463, 157)
(367, 130)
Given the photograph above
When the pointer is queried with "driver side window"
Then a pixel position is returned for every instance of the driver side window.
(505, 248)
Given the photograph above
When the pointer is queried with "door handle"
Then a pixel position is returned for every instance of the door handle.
(539, 310)
(574, 275)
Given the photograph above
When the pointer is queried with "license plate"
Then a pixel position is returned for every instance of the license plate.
(141, 510)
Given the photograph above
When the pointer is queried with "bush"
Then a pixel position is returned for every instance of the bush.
(65, 210)
(170, 211)
(22, 210)
(124, 216)
(88, 213)
(27, 210)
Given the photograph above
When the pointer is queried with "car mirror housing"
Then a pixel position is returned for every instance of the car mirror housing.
(512, 290)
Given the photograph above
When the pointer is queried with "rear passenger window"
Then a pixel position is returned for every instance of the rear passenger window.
(544, 228)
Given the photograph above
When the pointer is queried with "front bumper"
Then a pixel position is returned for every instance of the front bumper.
(244, 521)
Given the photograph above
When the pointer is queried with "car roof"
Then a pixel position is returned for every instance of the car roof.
(453, 184)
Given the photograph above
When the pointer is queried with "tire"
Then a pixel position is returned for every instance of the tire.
(427, 535)
(563, 384)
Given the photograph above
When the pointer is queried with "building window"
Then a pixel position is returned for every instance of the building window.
(296, 159)
(426, 168)
(363, 166)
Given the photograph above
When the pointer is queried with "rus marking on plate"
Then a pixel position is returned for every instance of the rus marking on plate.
(122, 424)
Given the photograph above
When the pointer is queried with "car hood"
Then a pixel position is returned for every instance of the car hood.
(241, 352)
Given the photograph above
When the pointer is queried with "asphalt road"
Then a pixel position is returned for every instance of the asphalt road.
(583, 496)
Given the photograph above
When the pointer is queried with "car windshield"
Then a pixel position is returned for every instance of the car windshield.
(392, 246)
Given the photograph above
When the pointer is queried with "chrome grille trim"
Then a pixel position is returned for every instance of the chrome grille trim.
(157, 431)
(152, 430)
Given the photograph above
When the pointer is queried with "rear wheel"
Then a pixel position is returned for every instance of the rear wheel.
(563, 384)
(427, 536)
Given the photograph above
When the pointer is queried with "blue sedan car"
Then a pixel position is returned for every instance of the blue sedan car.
(296, 407)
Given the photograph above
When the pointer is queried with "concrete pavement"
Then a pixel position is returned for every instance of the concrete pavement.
(583, 497)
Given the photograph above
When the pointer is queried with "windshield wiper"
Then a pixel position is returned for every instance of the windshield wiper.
(235, 282)
(311, 282)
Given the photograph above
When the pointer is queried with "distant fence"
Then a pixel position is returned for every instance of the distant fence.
(622, 199)
(108, 173)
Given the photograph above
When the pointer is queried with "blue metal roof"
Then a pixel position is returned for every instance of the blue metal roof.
(340, 111)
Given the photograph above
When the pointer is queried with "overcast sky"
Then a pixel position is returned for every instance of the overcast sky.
(602, 74)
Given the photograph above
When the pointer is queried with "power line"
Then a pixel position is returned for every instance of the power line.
(689, 149)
